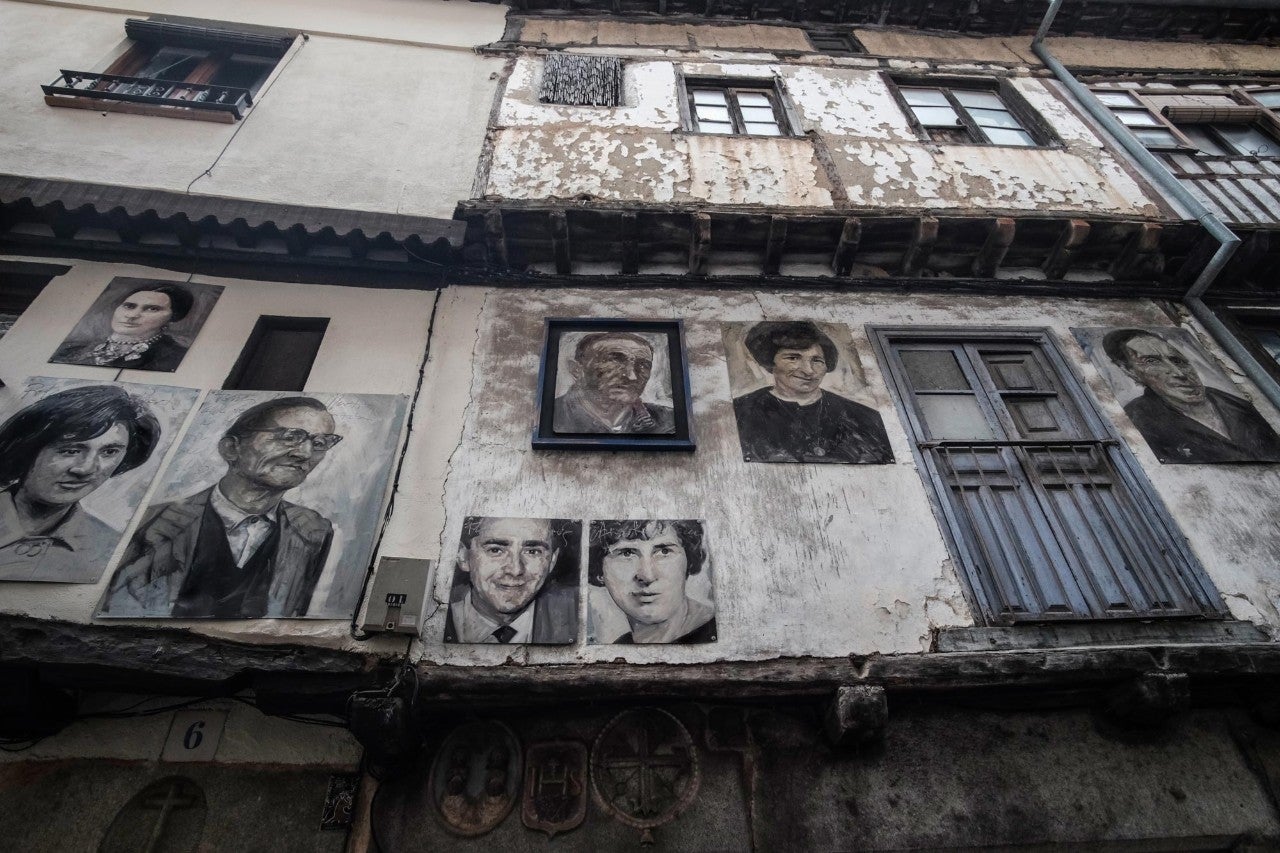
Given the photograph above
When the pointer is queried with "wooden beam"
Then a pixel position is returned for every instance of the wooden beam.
(776, 245)
(245, 237)
(1140, 256)
(999, 239)
(495, 238)
(296, 240)
(188, 232)
(699, 242)
(922, 241)
(1246, 259)
(847, 248)
(629, 243)
(1074, 233)
(560, 247)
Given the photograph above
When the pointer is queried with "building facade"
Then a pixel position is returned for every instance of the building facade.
(715, 426)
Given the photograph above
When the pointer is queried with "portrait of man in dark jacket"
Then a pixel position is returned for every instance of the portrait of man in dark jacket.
(1182, 419)
(237, 549)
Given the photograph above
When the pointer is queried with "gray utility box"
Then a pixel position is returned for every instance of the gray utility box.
(395, 602)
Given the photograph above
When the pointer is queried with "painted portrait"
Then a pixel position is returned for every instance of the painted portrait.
(76, 459)
(799, 394)
(650, 582)
(269, 509)
(613, 384)
(516, 581)
(139, 324)
(1186, 408)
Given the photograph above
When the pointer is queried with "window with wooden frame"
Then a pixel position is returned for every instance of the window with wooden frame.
(1047, 512)
(182, 67)
(736, 107)
(971, 111)
(1212, 124)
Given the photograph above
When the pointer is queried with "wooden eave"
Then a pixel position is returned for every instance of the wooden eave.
(1104, 18)
(1032, 252)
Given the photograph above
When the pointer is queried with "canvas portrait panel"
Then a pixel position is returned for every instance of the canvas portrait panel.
(800, 395)
(1187, 409)
(516, 581)
(613, 384)
(649, 582)
(76, 460)
(139, 324)
(269, 509)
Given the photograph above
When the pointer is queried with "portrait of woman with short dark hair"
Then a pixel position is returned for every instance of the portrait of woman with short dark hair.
(794, 418)
(53, 454)
(139, 324)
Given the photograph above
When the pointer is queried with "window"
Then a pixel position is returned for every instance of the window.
(279, 354)
(1215, 125)
(962, 114)
(1047, 512)
(20, 284)
(179, 66)
(573, 79)
(834, 41)
(737, 108)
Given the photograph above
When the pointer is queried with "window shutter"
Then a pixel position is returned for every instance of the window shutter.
(210, 35)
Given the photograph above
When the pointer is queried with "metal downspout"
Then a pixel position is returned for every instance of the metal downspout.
(1165, 180)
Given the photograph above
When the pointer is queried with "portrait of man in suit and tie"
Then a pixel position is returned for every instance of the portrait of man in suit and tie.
(515, 582)
(238, 549)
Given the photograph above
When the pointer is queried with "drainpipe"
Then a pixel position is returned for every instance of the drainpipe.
(1173, 188)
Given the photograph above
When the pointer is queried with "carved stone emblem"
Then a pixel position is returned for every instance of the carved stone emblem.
(644, 768)
(475, 777)
(555, 786)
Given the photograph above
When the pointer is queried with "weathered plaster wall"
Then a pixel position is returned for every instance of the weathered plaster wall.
(808, 559)
(552, 31)
(1078, 52)
(348, 122)
(374, 344)
(638, 152)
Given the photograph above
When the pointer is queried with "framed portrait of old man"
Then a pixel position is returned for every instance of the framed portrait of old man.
(799, 394)
(76, 459)
(613, 385)
(269, 509)
(139, 324)
(515, 582)
(1186, 408)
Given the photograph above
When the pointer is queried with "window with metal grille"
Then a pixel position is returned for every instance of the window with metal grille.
(572, 79)
(737, 108)
(1045, 509)
(955, 113)
(181, 67)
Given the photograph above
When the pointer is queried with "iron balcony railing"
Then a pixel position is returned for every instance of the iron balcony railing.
(146, 90)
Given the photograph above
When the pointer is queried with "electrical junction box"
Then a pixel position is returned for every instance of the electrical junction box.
(395, 602)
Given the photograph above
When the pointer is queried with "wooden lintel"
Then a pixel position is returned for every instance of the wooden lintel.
(560, 241)
(629, 240)
(699, 242)
(1140, 256)
(776, 244)
(495, 238)
(1074, 233)
(922, 241)
(999, 239)
(847, 248)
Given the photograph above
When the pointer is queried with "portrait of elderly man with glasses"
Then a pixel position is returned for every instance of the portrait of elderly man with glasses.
(237, 549)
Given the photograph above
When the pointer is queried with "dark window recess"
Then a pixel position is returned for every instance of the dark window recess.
(1048, 512)
(748, 108)
(834, 42)
(583, 81)
(962, 114)
(208, 67)
(20, 284)
(1266, 331)
(279, 354)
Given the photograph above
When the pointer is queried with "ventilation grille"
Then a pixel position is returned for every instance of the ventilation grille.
(581, 81)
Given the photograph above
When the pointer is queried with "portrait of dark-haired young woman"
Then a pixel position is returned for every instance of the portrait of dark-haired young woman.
(55, 453)
(794, 418)
(139, 324)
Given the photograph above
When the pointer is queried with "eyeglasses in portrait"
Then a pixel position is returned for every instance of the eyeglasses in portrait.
(650, 582)
(270, 508)
(76, 459)
(1186, 408)
(139, 324)
(613, 384)
(800, 394)
(516, 581)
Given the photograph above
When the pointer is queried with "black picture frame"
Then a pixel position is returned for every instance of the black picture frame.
(544, 435)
